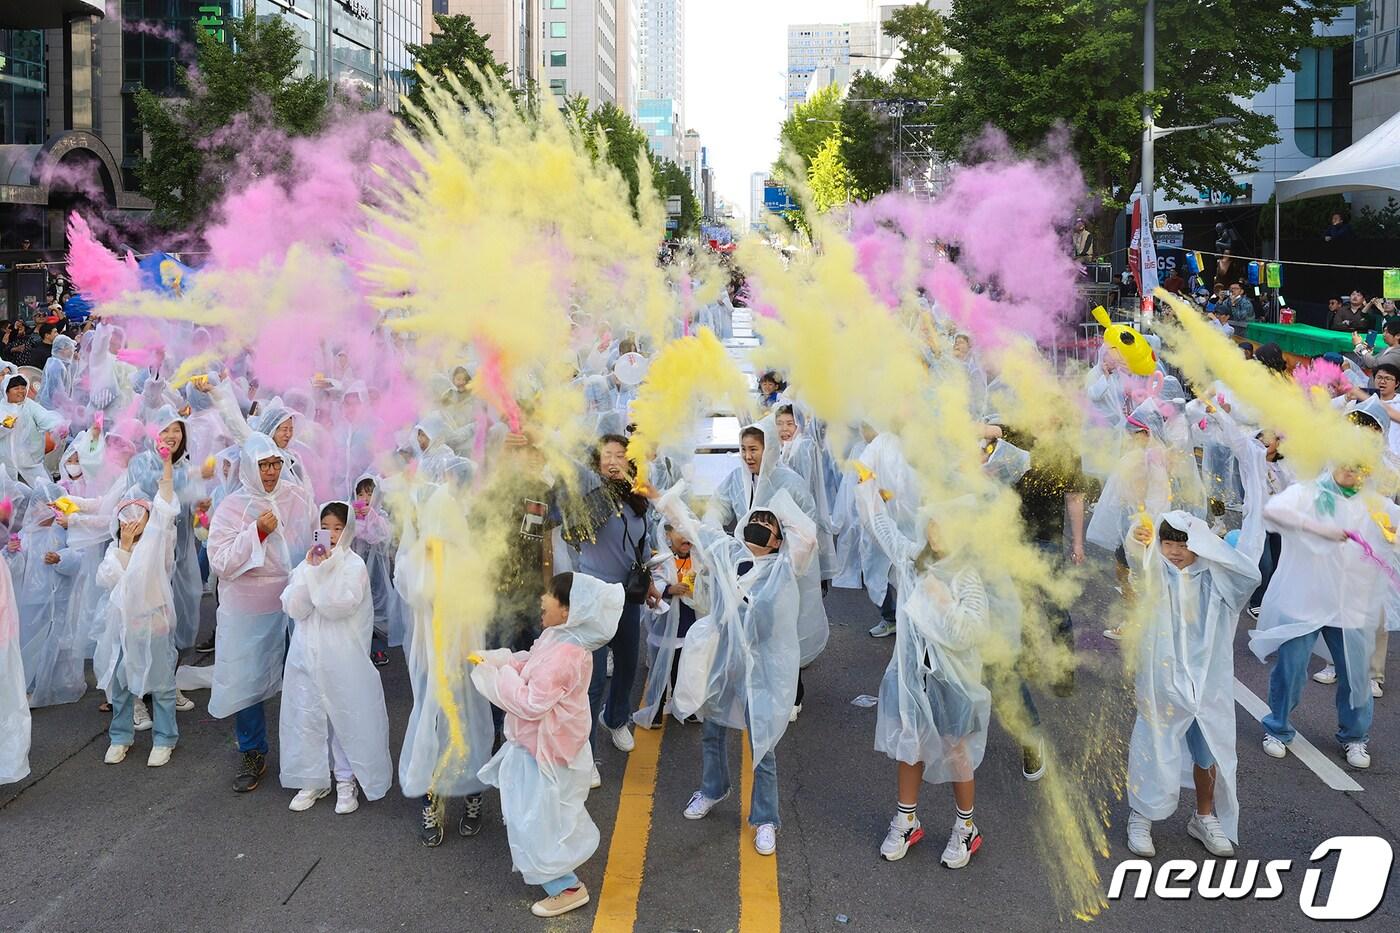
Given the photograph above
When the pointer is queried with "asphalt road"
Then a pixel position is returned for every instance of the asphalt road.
(88, 847)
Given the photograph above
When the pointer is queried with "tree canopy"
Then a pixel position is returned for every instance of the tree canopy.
(238, 91)
(455, 43)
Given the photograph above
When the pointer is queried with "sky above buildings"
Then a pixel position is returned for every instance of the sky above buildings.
(736, 67)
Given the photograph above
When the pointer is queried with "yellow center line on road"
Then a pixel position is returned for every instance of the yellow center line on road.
(627, 854)
(760, 908)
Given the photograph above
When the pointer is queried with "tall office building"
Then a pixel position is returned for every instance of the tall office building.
(355, 44)
(579, 49)
(842, 47)
(661, 107)
(629, 52)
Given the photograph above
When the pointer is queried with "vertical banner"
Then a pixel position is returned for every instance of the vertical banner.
(1147, 258)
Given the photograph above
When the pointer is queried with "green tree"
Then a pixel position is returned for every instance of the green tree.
(238, 91)
(867, 137)
(811, 124)
(455, 43)
(671, 181)
(828, 177)
(1029, 67)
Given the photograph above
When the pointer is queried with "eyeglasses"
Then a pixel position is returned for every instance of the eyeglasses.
(270, 466)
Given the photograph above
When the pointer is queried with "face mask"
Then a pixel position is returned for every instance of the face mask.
(758, 534)
(73, 470)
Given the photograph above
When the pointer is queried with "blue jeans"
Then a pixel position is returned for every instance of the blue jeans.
(625, 645)
(1286, 688)
(560, 884)
(1268, 561)
(164, 732)
(1200, 750)
(714, 775)
(250, 725)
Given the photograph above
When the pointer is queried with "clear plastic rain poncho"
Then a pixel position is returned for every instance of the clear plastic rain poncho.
(22, 429)
(136, 649)
(144, 471)
(374, 539)
(741, 493)
(252, 628)
(1108, 409)
(1321, 582)
(1006, 463)
(1185, 667)
(1157, 473)
(845, 524)
(740, 664)
(420, 568)
(664, 638)
(934, 709)
(804, 457)
(330, 687)
(544, 768)
(51, 643)
(56, 391)
(14, 706)
(885, 458)
(438, 462)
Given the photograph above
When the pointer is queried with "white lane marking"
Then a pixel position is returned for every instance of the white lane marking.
(1324, 767)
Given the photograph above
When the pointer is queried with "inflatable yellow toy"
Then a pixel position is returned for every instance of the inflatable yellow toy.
(1136, 351)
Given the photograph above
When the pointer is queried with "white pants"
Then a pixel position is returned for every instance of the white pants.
(340, 762)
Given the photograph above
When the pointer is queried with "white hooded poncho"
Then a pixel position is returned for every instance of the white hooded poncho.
(330, 686)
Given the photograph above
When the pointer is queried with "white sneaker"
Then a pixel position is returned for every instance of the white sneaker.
(765, 839)
(882, 629)
(792, 716)
(141, 716)
(1253, 612)
(1140, 835)
(596, 781)
(1357, 756)
(898, 840)
(1211, 834)
(1377, 689)
(347, 796)
(1113, 634)
(159, 756)
(116, 754)
(306, 797)
(621, 736)
(962, 843)
(1328, 675)
(700, 805)
(1274, 747)
(183, 704)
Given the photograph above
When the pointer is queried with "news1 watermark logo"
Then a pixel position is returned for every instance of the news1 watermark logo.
(1358, 881)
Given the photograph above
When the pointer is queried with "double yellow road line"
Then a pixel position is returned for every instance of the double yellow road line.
(760, 908)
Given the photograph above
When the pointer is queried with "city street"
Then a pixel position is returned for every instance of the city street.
(93, 847)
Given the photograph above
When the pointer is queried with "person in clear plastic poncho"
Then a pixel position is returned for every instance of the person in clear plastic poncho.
(44, 568)
(374, 539)
(257, 534)
(135, 653)
(1192, 587)
(332, 698)
(1326, 585)
(803, 455)
(753, 485)
(740, 666)
(544, 768)
(14, 706)
(23, 425)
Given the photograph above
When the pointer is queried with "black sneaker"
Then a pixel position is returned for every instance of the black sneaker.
(379, 658)
(470, 823)
(250, 772)
(430, 833)
(206, 646)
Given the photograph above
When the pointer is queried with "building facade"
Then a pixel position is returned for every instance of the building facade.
(360, 46)
(661, 59)
(505, 22)
(1375, 87)
(812, 46)
(578, 51)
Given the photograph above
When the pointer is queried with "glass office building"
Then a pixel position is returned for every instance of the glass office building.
(360, 45)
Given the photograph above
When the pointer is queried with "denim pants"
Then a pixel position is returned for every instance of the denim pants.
(1268, 561)
(122, 731)
(888, 607)
(1196, 744)
(625, 645)
(561, 884)
(250, 725)
(1286, 688)
(714, 775)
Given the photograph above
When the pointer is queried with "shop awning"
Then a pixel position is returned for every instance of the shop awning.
(1372, 163)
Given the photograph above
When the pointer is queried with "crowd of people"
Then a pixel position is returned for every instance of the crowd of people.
(132, 494)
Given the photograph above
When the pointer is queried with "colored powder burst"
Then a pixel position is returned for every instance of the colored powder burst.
(685, 374)
(95, 272)
(1317, 373)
